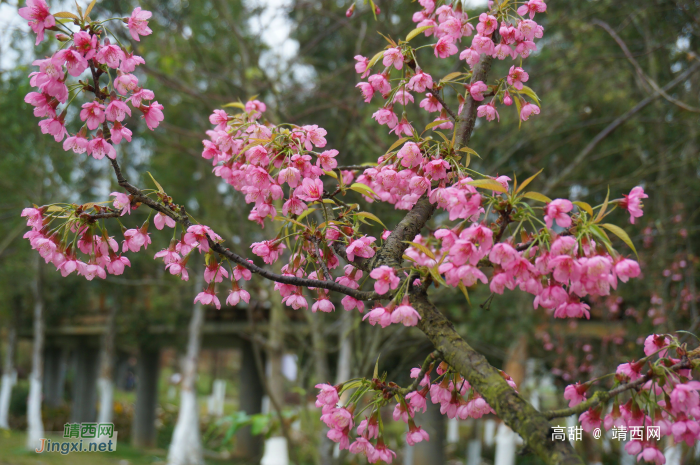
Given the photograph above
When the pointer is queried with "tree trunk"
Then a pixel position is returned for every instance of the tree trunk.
(105, 381)
(143, 430)
(9, 374)
(515, 411)
(325, 449)
(186, 445)
(35, 425)
(276, 447)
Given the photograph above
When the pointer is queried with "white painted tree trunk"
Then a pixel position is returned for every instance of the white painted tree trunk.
(186, 444)
(35, 426)
(105, 382)
(276, 449)
(9, 377)
(8, 381)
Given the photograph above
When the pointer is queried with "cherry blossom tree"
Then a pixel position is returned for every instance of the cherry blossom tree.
(489, 230)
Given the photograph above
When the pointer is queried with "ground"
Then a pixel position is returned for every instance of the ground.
(12, 452)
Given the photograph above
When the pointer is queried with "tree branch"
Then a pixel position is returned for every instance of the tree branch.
(619, 121)
(639, 70)
(601, 397)
(515, 411)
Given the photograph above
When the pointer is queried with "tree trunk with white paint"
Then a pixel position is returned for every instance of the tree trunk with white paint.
(35, 426)
(105, 382)
(9, 375)
(325, 447)
(186, 445)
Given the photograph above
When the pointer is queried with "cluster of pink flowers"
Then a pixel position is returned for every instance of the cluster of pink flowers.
(101, 251)
(453, 393)
(449, 24)
(559, 270)
(673, 406)
(87, 50)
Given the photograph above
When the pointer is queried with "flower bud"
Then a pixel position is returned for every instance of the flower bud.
(350, 11)
(62, 38)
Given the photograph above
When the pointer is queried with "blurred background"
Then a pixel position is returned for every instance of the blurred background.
(603, 126)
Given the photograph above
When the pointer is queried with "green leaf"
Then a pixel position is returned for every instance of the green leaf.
(375, 59)
(537, 196)
(451, 76)
(600, 234)
(601, 213)
(305, 213)
(517, 107)
(376, 368)
(436, 276)
(435, 123)
(160, 188)
(465, 292)
(259, 423)
(489, 184)
(363, 189)
(528, 181)
(470, 151)
(371, 217)
(89, 8)
(331, 174)
(530, 93)
(422, 248)
(444, 137)
(411, 35)
(65, 14)
(619, 232)
(585, 207)
(397, 143)
(234, 104)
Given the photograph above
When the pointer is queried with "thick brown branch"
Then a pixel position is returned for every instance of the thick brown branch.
(407, 229)
(468, 115)
(515, 411)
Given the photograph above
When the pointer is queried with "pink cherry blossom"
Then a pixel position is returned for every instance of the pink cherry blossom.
(654, 343)
(445, 47)
(208, 297)
(361, 247)
(236, 295)
(122, 202)
(134, 239)
(98, 148)
(110, 55)
(527, 110)
(489, 111)
(138, 23)
(153, 114)
(477, 89)
(161, 220)
(405, 314)
(557, 211)
(116, 111)
(575, 393)
(633, 203)
(385, 279)
(420, 81)
(39, 17)
(78, 143)
(393, 56)
(516, 77)
(119, 132)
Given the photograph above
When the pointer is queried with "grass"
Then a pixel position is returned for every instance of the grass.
(13, 452)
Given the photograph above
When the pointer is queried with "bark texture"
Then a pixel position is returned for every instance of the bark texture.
(515, 411)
